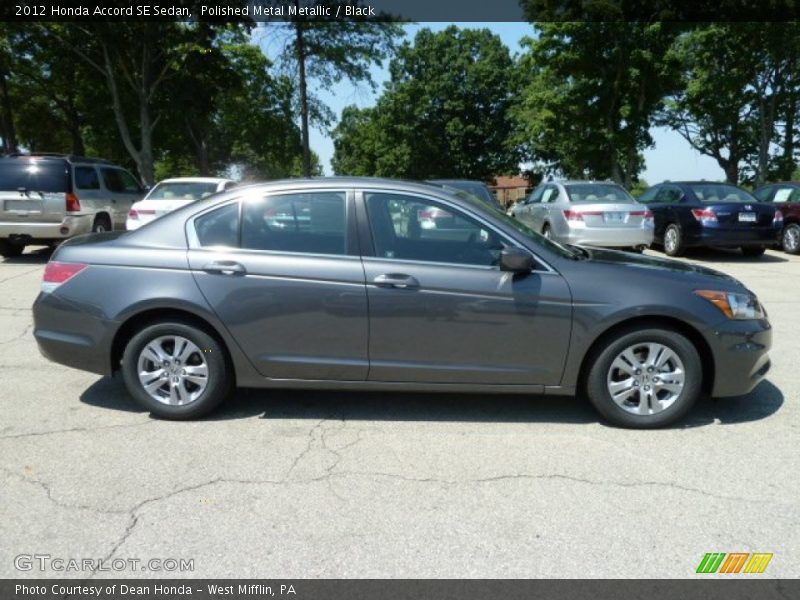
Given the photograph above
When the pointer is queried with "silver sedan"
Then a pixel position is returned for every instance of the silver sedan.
(587, 213)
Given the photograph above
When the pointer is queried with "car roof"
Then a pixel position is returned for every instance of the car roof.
(475, 181)
(584, 181)
(195, 180)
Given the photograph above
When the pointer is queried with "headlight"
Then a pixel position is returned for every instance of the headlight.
(735, 306)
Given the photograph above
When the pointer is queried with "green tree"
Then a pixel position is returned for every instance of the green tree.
(444, 112)
(590, 92)
(740, 83)
(330, 51)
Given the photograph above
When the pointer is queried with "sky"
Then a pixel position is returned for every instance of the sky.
(671, 158)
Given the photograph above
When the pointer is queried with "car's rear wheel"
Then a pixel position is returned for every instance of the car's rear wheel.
(645, 378)
(101, 224)
(547, 232)
(790, 238)
(673, 241)
(176, 370)
(9, 250)
(753, 250)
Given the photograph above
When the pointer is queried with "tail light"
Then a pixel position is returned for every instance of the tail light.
(134, 213)
(56, 273)
(573, 215)
(705, 215)
(73, 203)
(778, 218)
(647, 215)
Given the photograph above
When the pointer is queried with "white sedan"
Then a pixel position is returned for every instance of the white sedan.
(169, 194)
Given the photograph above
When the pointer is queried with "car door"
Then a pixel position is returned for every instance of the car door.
(526, 211)
(440, 309)
(548, 212)
(286, 279)
(123, 190)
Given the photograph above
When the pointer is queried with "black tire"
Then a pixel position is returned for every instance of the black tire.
(101, 224)
(673, 246)
(219, 383)
(753, 250)
(790, 239)
(547, 232)
(597, 388)
(9, 250)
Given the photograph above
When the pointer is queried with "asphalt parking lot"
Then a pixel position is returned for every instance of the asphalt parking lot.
(312, 484)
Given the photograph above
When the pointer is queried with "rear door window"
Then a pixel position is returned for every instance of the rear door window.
(308, 222)
(34, 176)
(86, 178)
(219, 227)
(119, 181)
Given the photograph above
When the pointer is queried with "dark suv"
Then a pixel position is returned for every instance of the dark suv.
(707, 213)
(786, 197)
(47, 198)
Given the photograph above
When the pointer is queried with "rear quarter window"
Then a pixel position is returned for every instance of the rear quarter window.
(219, 227)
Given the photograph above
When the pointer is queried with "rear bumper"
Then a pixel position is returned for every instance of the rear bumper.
(72, 337)
(26, 232)
(762, 236)
(741, 356)
(609, 237)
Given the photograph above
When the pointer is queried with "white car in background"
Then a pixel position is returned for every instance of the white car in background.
(169, 194)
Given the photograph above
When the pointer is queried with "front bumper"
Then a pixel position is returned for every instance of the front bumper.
(27, 232)
(741, 356)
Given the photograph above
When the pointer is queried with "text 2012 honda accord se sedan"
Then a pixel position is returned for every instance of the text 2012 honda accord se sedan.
(336, 284)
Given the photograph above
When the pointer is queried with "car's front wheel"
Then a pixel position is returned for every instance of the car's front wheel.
(645, 378)
(790, 238)
(176, 370)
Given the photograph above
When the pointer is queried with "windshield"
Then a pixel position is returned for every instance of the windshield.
(182, 190)
(710, 193)
(597, 193)
(535, 237)
(34, 176)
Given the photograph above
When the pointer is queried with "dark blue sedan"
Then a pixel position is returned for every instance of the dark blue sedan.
(704, 213)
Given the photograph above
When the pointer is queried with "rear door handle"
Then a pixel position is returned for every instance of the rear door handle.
(225, 267)
(396, 280)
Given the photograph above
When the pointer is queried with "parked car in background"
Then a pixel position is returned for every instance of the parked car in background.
(587, 213)
(786, 197)
(361, 297)
(47, 198)
(169, 194)
(477, 188)
(704, 213)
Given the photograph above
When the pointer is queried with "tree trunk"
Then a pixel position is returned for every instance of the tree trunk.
(145, 162)
(787, 159)
(8, 130)
(731, 168)
(301, 61)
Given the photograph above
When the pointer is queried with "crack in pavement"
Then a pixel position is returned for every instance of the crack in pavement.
(25, 331)
(20, 274)
(16, 436)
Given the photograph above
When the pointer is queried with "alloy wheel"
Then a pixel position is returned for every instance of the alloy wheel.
(172, 370)
(671, 239)
(646, 378)
(791, 239)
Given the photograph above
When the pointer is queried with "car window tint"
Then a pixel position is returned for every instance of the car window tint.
(86, 178)
(113, 180)
(649, 195)
(764, 193)
(129, 183)
(710, 193)
(313, 222)
(549, 195)
(670, 195)
(413, 228)
(787, 194)
(33, 175)
(597, 193)
(219, 227)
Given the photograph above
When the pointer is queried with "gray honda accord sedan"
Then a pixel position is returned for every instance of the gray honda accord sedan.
(342, 284)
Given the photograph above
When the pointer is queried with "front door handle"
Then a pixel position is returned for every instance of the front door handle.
(225, 267)
(396, 280)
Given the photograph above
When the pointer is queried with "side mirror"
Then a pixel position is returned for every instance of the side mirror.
(516, 260)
